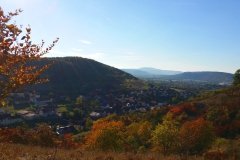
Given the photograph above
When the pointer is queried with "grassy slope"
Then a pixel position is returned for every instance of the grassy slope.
(22, 152)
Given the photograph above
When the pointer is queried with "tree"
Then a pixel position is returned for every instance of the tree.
(166, 135)
(44, 136)
(105, 135)
(236, 77)
(79, 101)
(138, 135)
(18, 56)
(196, 136)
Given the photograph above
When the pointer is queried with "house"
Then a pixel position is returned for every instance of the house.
(95, 115)
(27, 114)
(65, 130)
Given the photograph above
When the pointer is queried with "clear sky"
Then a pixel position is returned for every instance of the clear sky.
(186, 35)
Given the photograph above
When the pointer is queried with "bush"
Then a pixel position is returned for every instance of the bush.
(166, 135)
(196, 136)
(106, 136)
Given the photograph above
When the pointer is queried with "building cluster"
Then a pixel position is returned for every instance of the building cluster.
(32, 106)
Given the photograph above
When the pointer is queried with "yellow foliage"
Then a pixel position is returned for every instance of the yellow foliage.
(105, 135)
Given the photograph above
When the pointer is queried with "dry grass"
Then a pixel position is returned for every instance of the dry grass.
(22, 152)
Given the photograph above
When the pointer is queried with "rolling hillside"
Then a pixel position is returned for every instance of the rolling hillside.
(75, 75)
(221, 107)
(148, 72)
(215, 77)
(204, 76)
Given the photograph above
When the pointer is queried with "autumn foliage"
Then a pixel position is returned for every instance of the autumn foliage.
(189, 109)
(42, 135)
(166, 134)
(105, 135)
(138, 135)
(196, 136)
(17, 56)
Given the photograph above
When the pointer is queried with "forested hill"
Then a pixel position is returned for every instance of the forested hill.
(217, 77)
(221, 108)
(203, 76)
(75, 75)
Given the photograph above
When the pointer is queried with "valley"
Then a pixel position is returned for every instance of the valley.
(121, 80)
(64, 101)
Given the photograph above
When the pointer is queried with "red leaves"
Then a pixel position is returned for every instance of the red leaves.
(188, 108)
(196, 136)
(176, 110)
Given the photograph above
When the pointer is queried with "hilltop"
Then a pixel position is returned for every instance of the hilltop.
(76, 75)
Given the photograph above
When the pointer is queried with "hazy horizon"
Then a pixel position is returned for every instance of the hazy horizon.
(187, 35)
(178, 70)
(147, 66)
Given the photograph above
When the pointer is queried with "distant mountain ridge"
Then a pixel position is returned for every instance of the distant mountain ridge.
(150, 72)
(155, 71)
(207, 76)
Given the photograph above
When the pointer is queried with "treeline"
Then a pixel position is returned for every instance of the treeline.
(168, 137)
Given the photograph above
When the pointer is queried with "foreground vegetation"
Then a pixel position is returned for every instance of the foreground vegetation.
(23, 152)
(26, 152)
(206, 127)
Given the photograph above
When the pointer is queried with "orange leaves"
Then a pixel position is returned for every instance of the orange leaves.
(105, 135)
(18, 56)
(10, 27)
(103, 124)
(176, 110)
(189, 108)
(196, 136)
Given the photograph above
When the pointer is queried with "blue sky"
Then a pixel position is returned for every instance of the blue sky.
(186, 35)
